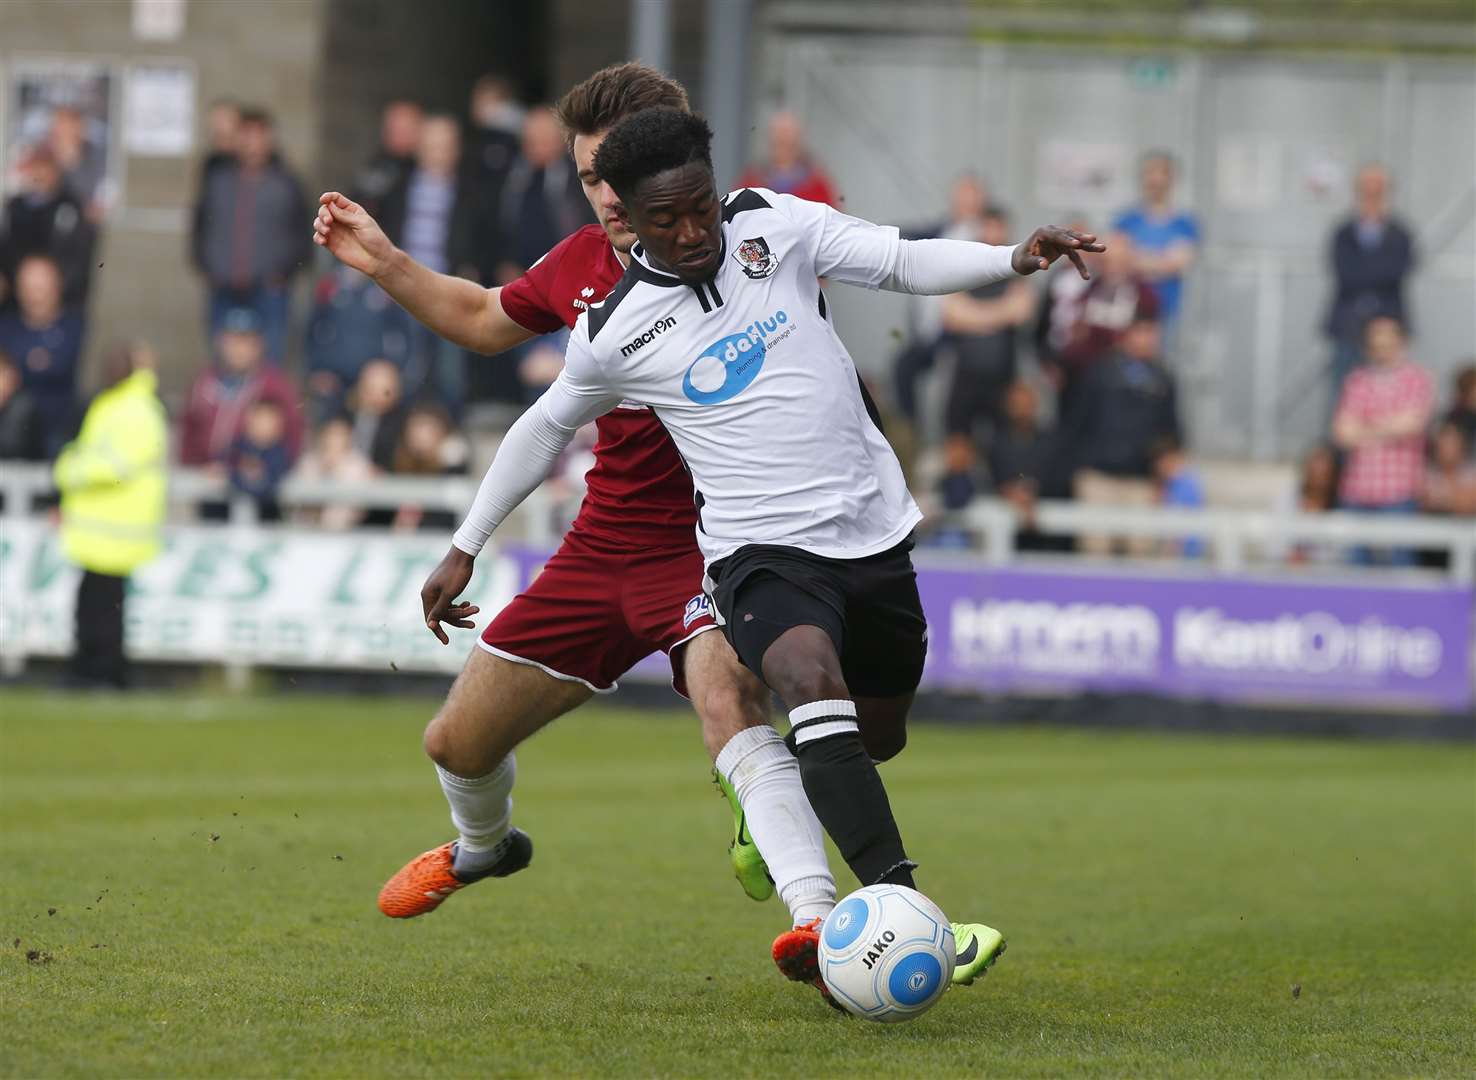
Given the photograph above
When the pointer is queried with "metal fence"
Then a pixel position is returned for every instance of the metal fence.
(1234, 540)
(1267, 146)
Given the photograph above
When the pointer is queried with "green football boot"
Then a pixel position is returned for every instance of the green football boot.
(748, 865)
(978, 947)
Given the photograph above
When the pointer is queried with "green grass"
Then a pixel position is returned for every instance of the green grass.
(213, 864)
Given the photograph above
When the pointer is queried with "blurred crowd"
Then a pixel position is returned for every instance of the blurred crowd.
(1062, 388)
(1050, 387)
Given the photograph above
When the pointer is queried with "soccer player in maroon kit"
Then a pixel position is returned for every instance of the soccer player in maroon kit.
(625, 582)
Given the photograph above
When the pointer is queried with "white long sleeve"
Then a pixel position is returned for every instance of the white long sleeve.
(535, 442)
(859, 252)
(942, 267)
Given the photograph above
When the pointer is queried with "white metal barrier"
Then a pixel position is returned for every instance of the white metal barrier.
(1235, 538)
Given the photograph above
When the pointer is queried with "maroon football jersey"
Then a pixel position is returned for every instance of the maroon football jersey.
(639, 492)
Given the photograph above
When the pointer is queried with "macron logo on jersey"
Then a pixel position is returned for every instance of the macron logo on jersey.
(660, 326)
(728, 365)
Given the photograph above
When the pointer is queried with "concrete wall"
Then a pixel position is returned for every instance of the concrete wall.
(264, 52)
(322, 67)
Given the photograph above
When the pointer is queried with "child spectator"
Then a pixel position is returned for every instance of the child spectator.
(1463, 409)
(1450, 482)
(333, 459)
(1316, 492)
(215, 413)
(1178, 485)
(260, 459)
(1024, 465)
(45, 340)
(429, 446)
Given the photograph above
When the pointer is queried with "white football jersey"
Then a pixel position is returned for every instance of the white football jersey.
(748, 375)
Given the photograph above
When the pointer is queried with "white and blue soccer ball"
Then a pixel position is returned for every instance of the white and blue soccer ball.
(886, 953)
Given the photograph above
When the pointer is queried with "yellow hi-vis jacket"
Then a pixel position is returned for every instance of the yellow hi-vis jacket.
(111, 479)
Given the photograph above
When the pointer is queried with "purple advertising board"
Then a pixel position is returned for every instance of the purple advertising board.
(1062, 631)
(1224, 638)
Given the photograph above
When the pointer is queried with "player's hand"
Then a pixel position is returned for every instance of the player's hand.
(346, 229)
(444, 585)
(1048, 243)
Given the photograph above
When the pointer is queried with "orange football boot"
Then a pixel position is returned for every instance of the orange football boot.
(426, 880)
(797, 955)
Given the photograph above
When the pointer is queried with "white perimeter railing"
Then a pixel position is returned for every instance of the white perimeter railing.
(1235, 539)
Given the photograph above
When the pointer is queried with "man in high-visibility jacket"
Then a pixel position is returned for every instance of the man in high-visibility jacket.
(112, 484)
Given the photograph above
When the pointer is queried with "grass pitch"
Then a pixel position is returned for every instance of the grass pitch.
(189, 884)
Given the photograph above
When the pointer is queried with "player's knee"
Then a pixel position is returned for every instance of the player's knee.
(885, 745)
(458, 756)
(437, 744)
(812, 683)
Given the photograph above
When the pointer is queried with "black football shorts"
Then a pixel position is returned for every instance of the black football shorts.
(869, 607)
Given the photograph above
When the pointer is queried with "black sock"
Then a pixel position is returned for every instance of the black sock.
(848, 796)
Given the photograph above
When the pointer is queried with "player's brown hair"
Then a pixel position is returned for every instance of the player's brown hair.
(613, 93)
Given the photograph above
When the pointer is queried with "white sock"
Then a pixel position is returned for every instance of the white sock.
(766, 778)
(481, 808)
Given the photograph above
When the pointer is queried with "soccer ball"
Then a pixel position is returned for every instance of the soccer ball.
(886, 953)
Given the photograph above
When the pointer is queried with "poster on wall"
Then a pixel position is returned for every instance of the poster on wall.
(159, 110)
(1074, 175)
(61, 111)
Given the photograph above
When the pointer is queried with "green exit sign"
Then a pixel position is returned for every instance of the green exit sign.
(1152, 73)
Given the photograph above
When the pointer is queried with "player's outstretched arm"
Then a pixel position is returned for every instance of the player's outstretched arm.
(458, 310)
(1049, 243)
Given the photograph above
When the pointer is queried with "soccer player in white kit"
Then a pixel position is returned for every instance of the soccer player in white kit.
(720, 327)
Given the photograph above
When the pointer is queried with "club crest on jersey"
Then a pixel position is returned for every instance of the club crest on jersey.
(697, 607)
(728, 365)
(755, 257)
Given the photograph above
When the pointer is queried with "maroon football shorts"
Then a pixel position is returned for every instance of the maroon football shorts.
(590, 615)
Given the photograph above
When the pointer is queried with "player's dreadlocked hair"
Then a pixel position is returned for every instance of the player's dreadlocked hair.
(613, 93)
(650, 142)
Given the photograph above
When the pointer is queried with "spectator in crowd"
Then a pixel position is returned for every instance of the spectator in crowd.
(377, 413)
(1115, 299)
(222, 127)
(389, 169)
(492, 147)
(20, 421)
(215, 413)
(248, 237)
(1380, 425)
(1316, 492)
(44, 218)
(429, 446)
(1060, 307)
(1127, 403)
(1450, 482)
(352, 322)
(1463, 405)
(80, 159)
(981, 328)
(429, 216)
(789, 169)
(260, 458)
(112, 484)
(1372, 254)
(1165, 239)
(1024, 466)
(333, 460)
(542, 200)
(45, 339)
(968, 199)
(1178, 485)
(497, 125)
